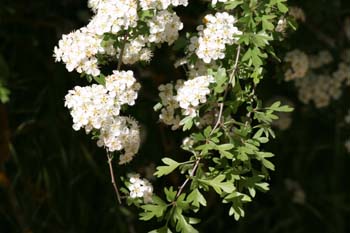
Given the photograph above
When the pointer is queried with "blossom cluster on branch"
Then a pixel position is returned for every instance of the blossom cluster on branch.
(216, 103)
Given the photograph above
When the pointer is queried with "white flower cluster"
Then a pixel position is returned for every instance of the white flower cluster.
(120, 133)
(193, 92)
(212, 39)
(189, 94)
(281, 25)
(299, 63)
(168, 99)
(113, 16)
(97, 107)
(123, 87)
(79, 49)
(319, 87)
(161, 4)
(324, 57)
(164, 27)
(140, 188)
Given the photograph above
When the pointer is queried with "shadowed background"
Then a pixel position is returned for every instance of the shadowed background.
(53, 179)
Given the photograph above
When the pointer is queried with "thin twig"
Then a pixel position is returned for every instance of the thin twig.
(120, 59)
(236, 63)
(188, 178)
(110, 158)
(219, 118)
(232, 76)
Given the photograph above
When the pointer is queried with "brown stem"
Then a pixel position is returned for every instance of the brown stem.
(188, 178)
(120, 59)
(110, 158)
(232, 76)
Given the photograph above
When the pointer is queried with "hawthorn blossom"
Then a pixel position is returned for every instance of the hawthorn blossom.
(97, 107)
(78, 51)
(161, 4)
(299, 63)
(212, 39)
(193, 92)
(140, 188)
(164, 27)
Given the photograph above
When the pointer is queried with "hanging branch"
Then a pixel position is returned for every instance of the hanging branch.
(110, 159)
(195, 166)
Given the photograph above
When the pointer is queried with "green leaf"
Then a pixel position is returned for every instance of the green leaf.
(278, 108)
(170, 194)
(207, 131)
(156, 209)
(100, 79)
(187, 123)
(180, 43)
(4, 94)
(263, 186)
(267, 25)
(282, 8)
(226, 154)
(164, 229)
(182, 225)
(225, 147)
(219, 185)
(165, 170)
(196, 198)
(268, 164)
(230, 5)
(157, 107)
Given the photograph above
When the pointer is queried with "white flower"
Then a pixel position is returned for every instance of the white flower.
(140, 188)
(324, 57)
(164, 27)
(123, 87)
(90, 106)
(78, 50)
(161, 4)
(193, 92)
(213, 2)
(97, 107)
(113, 16)
(218, 32)
(134, 50)
(299, 64)
(281, 25)
(120, 133)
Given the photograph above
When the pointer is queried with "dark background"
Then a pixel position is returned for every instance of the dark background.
(53, 179)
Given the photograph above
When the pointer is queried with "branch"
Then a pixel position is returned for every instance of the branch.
(232, 76)
(192, 173)
(188, 178)
(120, 59)
(109, 159)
